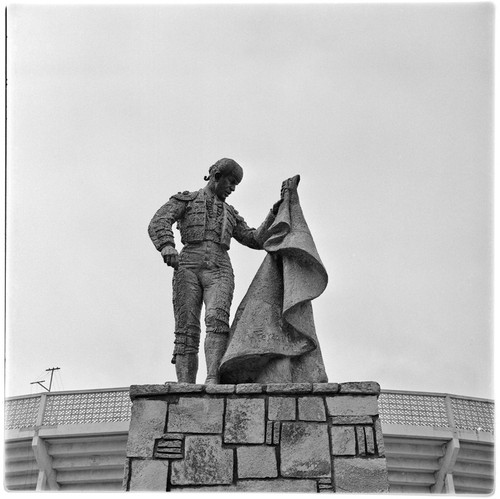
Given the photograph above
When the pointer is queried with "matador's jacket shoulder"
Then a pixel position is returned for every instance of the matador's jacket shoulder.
(186, 195)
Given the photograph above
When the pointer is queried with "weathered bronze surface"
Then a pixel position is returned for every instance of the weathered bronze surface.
(272, 339)
(202, 270)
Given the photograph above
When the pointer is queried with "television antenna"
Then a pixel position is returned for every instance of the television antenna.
(51, 369)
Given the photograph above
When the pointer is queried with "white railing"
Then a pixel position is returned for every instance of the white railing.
(64, 408)
(436, 410)
(111, 405)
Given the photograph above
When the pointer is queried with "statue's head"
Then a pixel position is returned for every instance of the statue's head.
(224, 176)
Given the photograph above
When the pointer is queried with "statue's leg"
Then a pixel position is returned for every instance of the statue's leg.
(188, 299)
(218, 295)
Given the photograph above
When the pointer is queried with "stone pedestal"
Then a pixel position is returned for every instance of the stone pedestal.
(299, 437)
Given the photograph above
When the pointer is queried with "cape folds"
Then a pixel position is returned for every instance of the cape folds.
(273, 338)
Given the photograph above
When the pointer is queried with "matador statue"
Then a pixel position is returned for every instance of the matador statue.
(202, 270)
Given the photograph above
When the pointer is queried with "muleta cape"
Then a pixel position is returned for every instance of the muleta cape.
(273, 338)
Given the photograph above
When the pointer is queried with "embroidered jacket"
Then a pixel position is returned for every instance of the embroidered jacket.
(189, 210)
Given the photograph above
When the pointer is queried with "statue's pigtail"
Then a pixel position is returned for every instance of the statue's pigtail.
(214, 169)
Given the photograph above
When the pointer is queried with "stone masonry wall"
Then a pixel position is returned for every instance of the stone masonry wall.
(300, 437)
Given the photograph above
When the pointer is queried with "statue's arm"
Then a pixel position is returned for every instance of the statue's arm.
(253, 238)
(160, 227)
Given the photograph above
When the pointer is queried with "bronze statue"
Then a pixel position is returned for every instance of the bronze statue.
(202, 270)
(273, 338)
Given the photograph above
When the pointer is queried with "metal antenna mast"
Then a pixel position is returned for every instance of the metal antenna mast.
(51, 369)
(39, 383)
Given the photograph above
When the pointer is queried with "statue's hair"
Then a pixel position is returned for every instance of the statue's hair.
(225, 166)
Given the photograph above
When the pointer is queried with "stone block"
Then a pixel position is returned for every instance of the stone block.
(147, 424)
(257, 462)
(360, 438)
(170, 446)
(305, 450)
(185, 388)
(249, 388)
(325, 488)
(351, 420)
(245, 421)
(198, 489)
(360, 475)
(214, 389)
(147, 390)
(278, 485)
(126, 474)
(276, 432)
(325, 387)
(370, 441)
(196, 415)
(379, 437)
(289, 388)
(312, 409)
(269, 432)
(351, 405)
(343, 440)
(325, 485)
(205, 462)
(148, 475)
(281, 408)
(362, 387)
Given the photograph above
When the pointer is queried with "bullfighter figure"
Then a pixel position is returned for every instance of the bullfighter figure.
(202, 270)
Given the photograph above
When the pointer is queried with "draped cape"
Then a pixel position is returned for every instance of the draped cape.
(273, 338)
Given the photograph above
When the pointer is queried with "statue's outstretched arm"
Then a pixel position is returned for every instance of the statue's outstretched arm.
(253, 238)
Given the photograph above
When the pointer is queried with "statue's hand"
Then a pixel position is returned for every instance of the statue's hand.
(289, 184)
(170, 256)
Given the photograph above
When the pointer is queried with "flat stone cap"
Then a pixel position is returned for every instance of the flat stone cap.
(353, 387)
(360, 387)
(137, 391)
(165, 389)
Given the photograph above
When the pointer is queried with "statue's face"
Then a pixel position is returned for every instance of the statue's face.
(224, 186)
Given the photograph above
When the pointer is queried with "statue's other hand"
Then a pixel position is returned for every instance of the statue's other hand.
(170, 256)
(290, 184)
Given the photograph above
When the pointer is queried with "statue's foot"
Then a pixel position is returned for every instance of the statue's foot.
(211, 381)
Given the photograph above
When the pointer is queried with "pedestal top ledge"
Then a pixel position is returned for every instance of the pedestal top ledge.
(353, 387)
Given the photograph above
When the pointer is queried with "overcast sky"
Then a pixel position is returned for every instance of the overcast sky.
(384, 110)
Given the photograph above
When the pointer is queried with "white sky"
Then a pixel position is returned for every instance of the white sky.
(385, 111)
